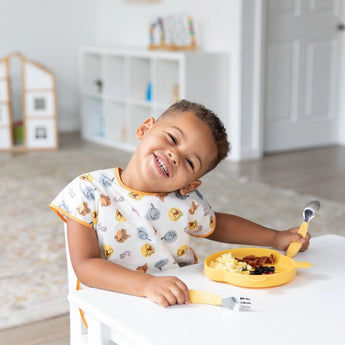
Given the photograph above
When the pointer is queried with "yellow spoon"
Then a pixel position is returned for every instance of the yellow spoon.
(309, 212)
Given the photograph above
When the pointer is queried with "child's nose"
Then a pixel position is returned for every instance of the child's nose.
(174, 158)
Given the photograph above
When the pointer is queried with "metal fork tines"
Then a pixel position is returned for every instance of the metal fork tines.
(237, 303)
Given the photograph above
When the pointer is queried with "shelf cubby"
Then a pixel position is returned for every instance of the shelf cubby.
(120, 88)
(92, 74)
(93, 121)
(139, 78)
(115, 80)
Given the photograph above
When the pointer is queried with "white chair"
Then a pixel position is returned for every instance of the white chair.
(95, 333)
(78, 333)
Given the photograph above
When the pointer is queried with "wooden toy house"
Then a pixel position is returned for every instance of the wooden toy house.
(37, 127)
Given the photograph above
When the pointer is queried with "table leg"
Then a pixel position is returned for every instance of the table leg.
(76, 327)
(98, 333)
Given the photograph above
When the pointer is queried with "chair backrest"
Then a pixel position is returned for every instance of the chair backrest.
(78, 324)
(77, 330)
(72, 278)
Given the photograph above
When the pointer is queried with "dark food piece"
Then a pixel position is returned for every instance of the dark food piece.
(254, 261)
(259, 270)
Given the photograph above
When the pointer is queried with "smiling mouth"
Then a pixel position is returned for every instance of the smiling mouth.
(162, 166)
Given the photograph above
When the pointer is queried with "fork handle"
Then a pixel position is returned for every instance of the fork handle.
(203, 297)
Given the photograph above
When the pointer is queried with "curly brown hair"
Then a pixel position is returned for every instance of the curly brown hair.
(211, 119)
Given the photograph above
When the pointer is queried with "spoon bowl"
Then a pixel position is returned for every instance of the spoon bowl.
(309, 212)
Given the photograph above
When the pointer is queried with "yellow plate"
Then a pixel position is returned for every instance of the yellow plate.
(285, 269)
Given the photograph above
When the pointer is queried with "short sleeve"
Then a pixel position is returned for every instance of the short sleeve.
(77, 201)
(201, 218)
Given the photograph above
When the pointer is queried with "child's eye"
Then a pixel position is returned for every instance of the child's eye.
(190, 163)
(173, 139)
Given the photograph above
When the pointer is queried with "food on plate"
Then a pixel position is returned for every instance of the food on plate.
(228, 263)
(259, 270)
(256, 265)
(254, 261)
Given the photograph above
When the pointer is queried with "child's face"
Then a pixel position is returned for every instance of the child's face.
(174, 153)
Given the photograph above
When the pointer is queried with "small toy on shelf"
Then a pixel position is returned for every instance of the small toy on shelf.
(99, 85)
(176, 93)
(149, 92)
(174, 32)
(18, 132)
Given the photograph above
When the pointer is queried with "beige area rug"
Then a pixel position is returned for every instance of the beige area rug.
(32, 252)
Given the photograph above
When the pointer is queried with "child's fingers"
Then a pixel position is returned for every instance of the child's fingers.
(298, 238)
(167, 291)
(160, 299)
(294, 230)
(171, 297)
(183, 294)
(306, 242)
(177, 293)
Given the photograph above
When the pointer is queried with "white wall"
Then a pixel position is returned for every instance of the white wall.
(248, 116)
(341, 103)
(217, 25)
(126, 23)
(50, 32)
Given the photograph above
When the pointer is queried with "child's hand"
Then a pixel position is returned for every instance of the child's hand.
(284, 238)
(166, 291)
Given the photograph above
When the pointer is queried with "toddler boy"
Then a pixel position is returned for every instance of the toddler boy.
(123, 225)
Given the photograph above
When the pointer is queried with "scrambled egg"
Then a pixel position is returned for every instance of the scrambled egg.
(228, 263)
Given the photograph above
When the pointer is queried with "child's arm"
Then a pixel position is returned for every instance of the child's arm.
(233, 229)
(94, 271)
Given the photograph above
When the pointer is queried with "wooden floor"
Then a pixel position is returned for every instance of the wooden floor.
(53, 331)
(319, 172)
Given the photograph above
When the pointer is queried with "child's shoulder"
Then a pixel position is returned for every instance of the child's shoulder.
(102, 176)
(193, 194)
(97, 173)
(189, 200)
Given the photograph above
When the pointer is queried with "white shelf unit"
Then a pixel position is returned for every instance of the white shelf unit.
(114, 86)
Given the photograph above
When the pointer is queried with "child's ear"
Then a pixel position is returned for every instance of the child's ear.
(190, 187)
(144, 127)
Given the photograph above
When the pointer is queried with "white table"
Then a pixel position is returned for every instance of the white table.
(309, 309)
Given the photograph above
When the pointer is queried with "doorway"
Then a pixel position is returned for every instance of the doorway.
(301, 68)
